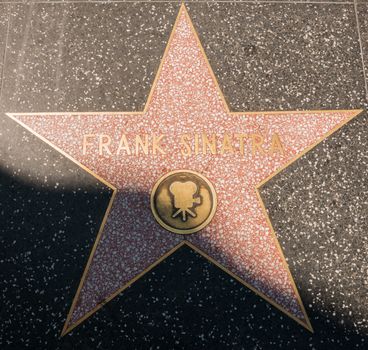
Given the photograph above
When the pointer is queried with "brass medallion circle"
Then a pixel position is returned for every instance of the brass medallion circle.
(183, 201)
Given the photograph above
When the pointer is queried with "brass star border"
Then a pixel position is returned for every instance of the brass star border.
(307, 323)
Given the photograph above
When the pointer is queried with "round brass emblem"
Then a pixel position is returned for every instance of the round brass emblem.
(183, 201)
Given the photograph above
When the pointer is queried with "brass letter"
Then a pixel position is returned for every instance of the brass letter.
(196, 144)
(211, 144)
(276, 145)
(241, 138)
(226, 145)
(257, 142)
(104, 142)
(139, 143)
(156, 144)
(123, 145)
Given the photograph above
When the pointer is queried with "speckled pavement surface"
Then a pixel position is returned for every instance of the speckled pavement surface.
(81, 56)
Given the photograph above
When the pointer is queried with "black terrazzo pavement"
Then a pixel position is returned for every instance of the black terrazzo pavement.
(3, 30)
(50, 212)
(319, 210)
(283, 56)
(71, 54)
(362, 17)
(76, 56)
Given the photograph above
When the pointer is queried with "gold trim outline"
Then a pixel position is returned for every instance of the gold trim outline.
(256, 291)
(67, 329)
(306, 324)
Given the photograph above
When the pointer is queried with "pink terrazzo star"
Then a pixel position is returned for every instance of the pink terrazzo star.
(185, 100)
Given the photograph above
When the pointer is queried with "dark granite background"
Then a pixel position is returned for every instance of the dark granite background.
(94, 56)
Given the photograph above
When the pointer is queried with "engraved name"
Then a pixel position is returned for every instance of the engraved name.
(189, 144)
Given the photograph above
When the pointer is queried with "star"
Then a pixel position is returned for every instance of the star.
(186, 124)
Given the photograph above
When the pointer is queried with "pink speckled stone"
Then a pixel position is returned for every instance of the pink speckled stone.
(186, 100)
